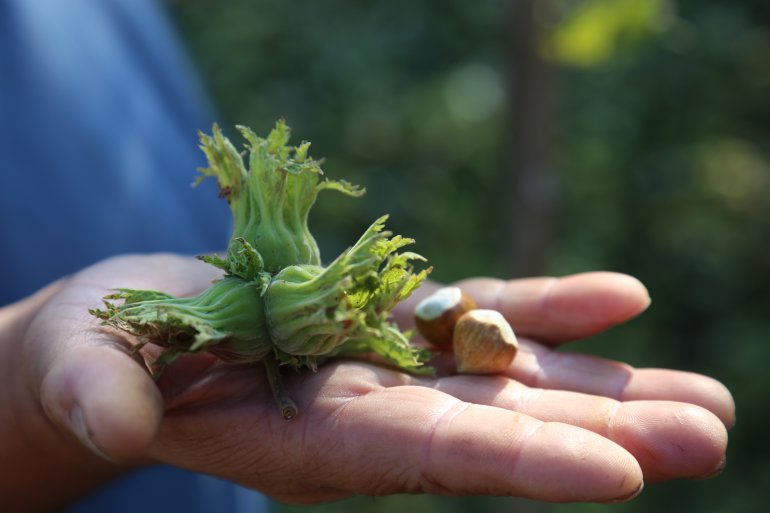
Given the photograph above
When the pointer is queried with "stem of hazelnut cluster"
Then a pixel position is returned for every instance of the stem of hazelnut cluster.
(280, 394)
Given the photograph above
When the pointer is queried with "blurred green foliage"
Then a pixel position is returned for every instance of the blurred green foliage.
(589, 33)
(381, 89)
(662, 159)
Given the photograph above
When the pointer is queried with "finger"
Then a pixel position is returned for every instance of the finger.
(556, 310)
(540, 367)
(355, 435)
(105, 399)
(88, 383)
(669, 439)
(87, 380)
(682, 386)
(430, 442)
(170, 273)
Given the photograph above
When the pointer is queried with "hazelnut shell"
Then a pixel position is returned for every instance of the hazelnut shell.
(436, 315)
(484, 343)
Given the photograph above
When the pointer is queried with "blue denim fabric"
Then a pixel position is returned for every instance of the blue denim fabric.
(99, 110)
(171, 490)
(99, 113)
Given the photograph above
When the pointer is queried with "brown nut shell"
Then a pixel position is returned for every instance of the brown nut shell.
(484, 342)
(436, 315)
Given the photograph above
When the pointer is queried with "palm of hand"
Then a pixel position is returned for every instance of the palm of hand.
(555, 427)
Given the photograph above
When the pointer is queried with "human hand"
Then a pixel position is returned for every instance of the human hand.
(556, 427)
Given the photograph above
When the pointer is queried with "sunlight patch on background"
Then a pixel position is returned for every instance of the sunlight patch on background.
(474, 92)
(588, 33)
(733, 171)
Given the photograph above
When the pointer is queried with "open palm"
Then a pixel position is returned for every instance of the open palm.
(556, 426)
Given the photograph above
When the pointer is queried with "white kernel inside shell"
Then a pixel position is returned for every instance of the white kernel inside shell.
(434, 306)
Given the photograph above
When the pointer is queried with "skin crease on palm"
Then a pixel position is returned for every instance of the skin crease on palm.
(556, 426)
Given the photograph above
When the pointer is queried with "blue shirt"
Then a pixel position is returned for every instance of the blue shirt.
(99, 113)
(99, 110)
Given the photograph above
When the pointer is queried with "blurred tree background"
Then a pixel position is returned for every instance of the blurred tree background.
(522, 137)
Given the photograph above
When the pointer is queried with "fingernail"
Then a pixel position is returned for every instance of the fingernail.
(627, 498)
(717, 470)
(80, 429)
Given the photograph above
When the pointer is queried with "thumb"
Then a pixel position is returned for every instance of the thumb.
(105, 399)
